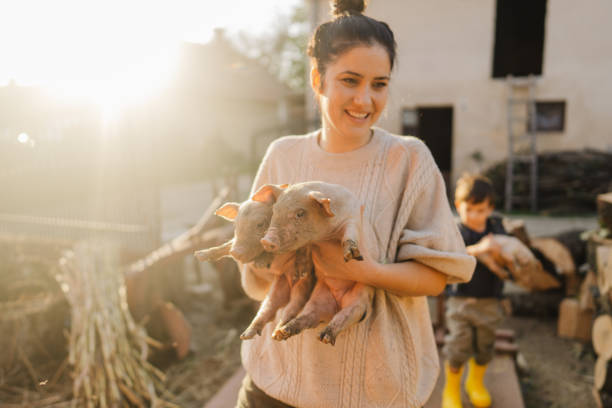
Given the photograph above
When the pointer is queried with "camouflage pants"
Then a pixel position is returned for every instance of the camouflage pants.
(471, 323)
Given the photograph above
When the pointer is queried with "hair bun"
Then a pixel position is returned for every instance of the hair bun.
(340, 7)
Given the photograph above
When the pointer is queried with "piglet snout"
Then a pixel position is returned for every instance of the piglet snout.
(268, 244)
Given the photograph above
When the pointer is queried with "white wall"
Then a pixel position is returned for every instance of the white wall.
(445, 57)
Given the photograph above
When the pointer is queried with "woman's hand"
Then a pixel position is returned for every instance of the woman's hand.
(328, 260)
(408, 278)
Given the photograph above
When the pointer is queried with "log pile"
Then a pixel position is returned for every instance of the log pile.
(595, 297)
(568, 181)
(560, 256)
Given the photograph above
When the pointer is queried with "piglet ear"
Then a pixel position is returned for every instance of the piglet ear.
(229, 211)
(323, 201)
(268, 193)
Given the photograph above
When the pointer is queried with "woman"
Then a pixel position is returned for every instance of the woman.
(412, 246)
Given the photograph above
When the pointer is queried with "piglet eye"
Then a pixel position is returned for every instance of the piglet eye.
(300, 213)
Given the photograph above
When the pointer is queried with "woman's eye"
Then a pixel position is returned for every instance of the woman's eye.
(260, 225)
(380, 84)
(350, 81)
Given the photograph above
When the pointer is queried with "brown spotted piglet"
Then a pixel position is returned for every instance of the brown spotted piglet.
(292, 289)
(303, 214)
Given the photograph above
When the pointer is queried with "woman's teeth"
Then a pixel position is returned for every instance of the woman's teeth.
(357, 114)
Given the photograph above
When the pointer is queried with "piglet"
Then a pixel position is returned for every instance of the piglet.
(304, 214)
(516, 260)
(292, 289)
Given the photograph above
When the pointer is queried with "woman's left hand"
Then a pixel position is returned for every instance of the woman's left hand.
(328, 260)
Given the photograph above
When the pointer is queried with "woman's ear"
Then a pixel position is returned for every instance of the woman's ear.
(315, 80)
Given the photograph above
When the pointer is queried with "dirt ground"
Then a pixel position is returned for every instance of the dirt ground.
(559, 373)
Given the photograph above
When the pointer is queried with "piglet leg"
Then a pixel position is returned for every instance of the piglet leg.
(354, 306)
(350, 243)
(214, 253)
(300, 293)
(277, 297)
(303, 263)
(320, 307)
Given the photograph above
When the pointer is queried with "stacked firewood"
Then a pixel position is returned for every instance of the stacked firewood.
(568, 182)
(596, 295)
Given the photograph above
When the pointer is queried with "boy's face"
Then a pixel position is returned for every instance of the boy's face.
(474, 216)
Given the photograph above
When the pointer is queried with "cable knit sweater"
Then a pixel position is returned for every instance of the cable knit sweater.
(389, 359)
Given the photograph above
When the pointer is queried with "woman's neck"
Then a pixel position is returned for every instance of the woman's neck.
(333, 142)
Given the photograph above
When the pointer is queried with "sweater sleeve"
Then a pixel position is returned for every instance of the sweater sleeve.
(257, 283)
(430, 235)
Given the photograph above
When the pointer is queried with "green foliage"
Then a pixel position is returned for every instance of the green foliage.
(282, 50)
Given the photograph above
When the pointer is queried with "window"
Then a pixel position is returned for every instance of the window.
(519, 37)
(550, 116)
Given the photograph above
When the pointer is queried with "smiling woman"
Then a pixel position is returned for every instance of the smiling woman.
(411, 245)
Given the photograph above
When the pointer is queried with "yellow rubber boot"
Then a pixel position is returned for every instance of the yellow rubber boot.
(474, 386)
(451, 396)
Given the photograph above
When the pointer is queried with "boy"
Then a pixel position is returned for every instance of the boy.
(473, 309)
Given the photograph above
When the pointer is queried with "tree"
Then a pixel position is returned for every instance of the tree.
(282, 50)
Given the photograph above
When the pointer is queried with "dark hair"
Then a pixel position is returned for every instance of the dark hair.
(349, 28)
(474, 189)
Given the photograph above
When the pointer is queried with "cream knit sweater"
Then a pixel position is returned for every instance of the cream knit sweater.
(389, 359)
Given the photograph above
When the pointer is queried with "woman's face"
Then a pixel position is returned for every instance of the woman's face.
(353, 92)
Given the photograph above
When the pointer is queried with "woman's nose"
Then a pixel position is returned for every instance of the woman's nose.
(362, 96)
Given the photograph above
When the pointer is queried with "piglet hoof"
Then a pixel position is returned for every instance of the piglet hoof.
(351, 251)
(286, 331)
(280, 334)
(327, 336)
(249, 333)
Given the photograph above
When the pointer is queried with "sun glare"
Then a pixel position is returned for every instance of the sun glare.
(114, 53)
(114, 86)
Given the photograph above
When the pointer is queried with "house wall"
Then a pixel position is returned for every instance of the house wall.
(445, 57)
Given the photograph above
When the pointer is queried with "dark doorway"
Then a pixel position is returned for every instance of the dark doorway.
(433, 125)
(519, 37)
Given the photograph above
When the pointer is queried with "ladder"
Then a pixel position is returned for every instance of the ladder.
(521, 142)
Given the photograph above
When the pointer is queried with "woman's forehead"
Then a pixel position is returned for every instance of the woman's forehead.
(364, 60)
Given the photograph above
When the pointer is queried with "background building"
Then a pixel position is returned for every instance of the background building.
(449, 86)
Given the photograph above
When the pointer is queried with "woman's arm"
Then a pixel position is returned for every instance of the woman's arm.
(409, 278)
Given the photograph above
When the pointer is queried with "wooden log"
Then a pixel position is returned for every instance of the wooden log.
(574, 323)
(603, 375)
(586, 300)
(604, 268)
(517, 229)
(604, 211)
(556, 252)
(602, 336)
(595, 241)
(177, 327)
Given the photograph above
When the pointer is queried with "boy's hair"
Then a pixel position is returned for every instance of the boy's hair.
(474, 189)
